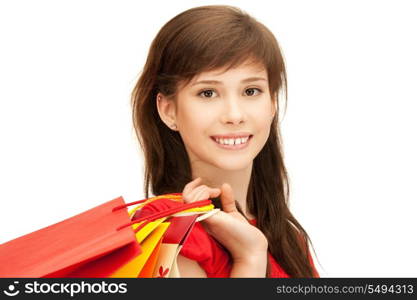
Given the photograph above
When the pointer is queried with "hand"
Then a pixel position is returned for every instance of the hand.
(228, 226)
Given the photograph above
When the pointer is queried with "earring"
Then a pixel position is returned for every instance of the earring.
(174, 126)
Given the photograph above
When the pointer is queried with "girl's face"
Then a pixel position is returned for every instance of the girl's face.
(224, 118)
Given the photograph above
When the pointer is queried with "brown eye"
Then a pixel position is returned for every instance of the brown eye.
(252, 91)
(206, 93)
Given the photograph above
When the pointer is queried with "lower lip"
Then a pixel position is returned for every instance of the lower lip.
(234, 147)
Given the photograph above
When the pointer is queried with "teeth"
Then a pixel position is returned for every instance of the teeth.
(237, 141)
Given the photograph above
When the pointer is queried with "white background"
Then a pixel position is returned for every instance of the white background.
(67, 142)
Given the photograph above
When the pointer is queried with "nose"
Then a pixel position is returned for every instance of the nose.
(233, 112)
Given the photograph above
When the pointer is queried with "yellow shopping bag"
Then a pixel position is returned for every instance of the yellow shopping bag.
(134, 266)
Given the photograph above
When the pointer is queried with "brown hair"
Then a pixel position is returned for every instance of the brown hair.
(203, 39)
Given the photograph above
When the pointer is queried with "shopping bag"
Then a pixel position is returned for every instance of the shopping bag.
(105, 241)
(160, 248)
(172, 241)
(134, 266)
(88, 245)
(149, 267)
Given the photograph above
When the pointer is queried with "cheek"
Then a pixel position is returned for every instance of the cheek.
(190, 113)
(197, 117)
(263, 115)
(262, 121)
(195, 126)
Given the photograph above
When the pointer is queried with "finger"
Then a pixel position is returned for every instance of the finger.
(202, 192)
(191, 185)
(207, 193)
(192, 195)
(227, 199)
(215, 192)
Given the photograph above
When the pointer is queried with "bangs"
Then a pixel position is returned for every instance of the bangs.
(208, 42)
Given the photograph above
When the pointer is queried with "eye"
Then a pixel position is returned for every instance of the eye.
(252, 91)
(206, 93)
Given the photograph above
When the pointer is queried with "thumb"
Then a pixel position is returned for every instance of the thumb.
(227, 198)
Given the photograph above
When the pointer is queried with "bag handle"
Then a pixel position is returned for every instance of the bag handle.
(161, 214)
(143, 200)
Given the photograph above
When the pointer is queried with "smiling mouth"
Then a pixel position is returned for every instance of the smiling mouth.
(238, 143)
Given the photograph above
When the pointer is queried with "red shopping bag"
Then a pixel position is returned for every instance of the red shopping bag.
(91, 244)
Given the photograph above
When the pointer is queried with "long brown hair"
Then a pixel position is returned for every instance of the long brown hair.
(203, 39)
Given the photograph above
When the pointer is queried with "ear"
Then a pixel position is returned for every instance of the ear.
(167, 110)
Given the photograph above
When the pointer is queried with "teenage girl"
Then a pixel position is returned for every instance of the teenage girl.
(205, 110)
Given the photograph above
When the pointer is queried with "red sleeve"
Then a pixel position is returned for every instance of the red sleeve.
(209, 254)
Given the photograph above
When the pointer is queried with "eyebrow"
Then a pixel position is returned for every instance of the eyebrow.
(250, 79)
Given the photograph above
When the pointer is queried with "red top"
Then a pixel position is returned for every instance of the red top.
(215, 259)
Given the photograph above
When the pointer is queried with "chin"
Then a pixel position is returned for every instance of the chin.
(231, 165)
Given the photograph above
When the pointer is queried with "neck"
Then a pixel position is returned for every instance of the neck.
(238, 180)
